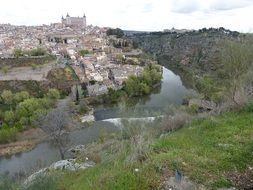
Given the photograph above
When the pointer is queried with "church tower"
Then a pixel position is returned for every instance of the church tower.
(84, 21)
(68, 19)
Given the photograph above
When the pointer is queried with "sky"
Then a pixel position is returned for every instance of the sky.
(141, 15)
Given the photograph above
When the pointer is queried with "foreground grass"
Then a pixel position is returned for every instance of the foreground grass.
(206, 151)
(209, 149)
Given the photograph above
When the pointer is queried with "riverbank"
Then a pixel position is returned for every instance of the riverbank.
(26, 141)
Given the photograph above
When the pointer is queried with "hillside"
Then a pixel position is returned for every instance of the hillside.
(196, 49)
(215, 152)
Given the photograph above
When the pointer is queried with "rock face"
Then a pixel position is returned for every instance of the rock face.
(197, 49)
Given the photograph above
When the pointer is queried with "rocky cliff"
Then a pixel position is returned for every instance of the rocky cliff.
(194, 49)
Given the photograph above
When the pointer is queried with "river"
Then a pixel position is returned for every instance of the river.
(170, 93)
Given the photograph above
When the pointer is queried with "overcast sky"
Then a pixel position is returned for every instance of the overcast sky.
(144, 15)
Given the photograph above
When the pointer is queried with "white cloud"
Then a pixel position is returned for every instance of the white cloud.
(134, 14)
(185, 6)
(229, 4)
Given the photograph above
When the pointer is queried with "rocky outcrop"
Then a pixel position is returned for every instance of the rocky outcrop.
(88, 118)
(68, 165)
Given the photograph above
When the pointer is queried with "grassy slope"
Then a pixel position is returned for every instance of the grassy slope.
(205, 151)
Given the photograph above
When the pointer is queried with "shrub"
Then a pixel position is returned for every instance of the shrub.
(8, 135)
(192, 109)
(249, 107)
(21, 96)
(34, 66)
(140, 149)
(83, 52)
(172, 123)
(42, 183)
(37, 52)
(5, 69)
(9, 116)
(7, 97)
(18, 52)
(53, 93)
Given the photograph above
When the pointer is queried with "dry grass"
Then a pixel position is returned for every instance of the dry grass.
(172, 123)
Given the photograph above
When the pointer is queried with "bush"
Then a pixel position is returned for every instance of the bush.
(34, 66)
(37, 52)
(43, 183)
(53, 93)
(5, 69)
(18, 52)
(249, 107)
(21, 96)
(7, 97)
(8, 135)
(9, 117)
(172, 123)
(83, 52)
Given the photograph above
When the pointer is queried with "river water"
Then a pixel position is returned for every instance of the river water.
(146, 108)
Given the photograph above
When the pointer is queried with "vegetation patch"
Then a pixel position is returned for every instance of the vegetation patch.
(208, 148)
(136, 86)
(212, 151)
(21, 110)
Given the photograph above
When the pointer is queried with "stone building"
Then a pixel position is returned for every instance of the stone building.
(79, 22)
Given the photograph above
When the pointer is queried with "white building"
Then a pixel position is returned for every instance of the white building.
(79, 22)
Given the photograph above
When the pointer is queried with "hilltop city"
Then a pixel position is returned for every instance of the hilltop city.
(87, 49)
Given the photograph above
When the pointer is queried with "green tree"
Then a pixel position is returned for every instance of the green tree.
(130, 85)
(9, 117)
(7, 97)
(53, 93)
(21, 96)
(18, 52)
(117, 32)
(27, 108)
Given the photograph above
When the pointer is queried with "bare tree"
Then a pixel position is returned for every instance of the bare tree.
(237, 59)
(54, 124)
